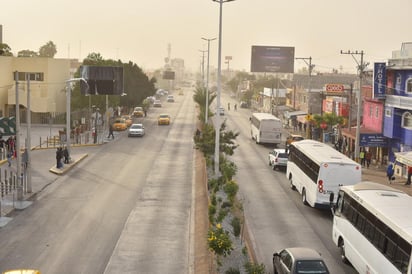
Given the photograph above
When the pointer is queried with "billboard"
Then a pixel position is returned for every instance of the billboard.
(272, 59)
(168, 75)
(101, 80)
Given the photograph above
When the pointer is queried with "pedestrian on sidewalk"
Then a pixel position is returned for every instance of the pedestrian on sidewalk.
(9, 156)
(368, 157)
(362, 157)
(389, 172)
(408, 182)
(111, 131)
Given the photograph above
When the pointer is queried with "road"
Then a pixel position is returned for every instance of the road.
(275, 215)
(125, 208)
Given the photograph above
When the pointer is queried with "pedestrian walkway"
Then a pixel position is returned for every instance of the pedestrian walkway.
(43, 169)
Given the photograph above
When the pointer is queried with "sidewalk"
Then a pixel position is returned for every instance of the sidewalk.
(378, 174)
(43, 169)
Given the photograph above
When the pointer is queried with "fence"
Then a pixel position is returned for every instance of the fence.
(9, 184)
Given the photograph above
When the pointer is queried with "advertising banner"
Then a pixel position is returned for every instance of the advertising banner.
(379, 80)
(272, 59)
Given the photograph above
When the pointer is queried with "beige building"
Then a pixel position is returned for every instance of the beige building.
(48, 78)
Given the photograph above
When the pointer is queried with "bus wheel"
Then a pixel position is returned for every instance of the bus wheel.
(342, 252)
(305, 202)
(291, 183)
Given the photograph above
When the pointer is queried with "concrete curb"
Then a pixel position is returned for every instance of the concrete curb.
(75, 160)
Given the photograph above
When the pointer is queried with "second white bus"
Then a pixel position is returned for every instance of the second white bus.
(372, 226)
(316, 170)
(266, 128)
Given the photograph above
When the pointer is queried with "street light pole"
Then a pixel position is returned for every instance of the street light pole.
(219, 72)
(68, 100)
(207, 79)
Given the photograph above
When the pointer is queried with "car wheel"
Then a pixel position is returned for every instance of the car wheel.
(342, 252)
(305, 202)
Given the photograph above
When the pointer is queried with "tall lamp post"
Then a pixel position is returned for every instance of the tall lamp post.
(207, 77)
(219, 72)
(68, 101)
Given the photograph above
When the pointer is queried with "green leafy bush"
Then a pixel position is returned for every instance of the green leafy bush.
(236, 226)
(219, 241)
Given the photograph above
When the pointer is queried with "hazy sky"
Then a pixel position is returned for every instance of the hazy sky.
(140, 31)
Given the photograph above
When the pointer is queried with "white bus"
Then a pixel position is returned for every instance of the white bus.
(372, 226)
(266, 128)
(316, 170)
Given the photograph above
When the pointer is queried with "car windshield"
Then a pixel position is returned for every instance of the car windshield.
(137, 126)
(283, 155)
(164, 116)
(312, 267)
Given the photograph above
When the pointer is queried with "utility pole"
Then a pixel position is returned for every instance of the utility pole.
(361, 68)
(310, 68)
(207, 78)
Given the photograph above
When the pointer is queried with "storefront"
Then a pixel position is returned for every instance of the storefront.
(370, 141)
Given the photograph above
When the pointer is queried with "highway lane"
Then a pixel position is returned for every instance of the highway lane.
(275, 215)
(79, 223)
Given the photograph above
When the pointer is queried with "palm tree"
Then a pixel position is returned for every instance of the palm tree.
(199, 97)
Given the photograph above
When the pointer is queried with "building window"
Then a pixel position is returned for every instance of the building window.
(388, 112)
(408, 85)
(370, 111)
(377, 112)
(34, 76)
(407, 120)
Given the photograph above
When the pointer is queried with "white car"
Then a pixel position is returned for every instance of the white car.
(170, 98)
(136, 130)
(157, 104)
(278, 158)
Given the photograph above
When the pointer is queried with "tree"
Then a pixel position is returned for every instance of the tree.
(5, 50)
(27, 53)
(48, 50)
(199, 97)
(137, 86)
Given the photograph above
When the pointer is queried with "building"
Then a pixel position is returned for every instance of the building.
(47, 88)
(398, 104)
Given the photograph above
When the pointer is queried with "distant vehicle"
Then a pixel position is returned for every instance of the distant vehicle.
(298, 260)
(138, 112)
(243, 104)
(170, 98)
(293, 138)
(119, 124)
(128, 119)
(278, 158)
(181, 92)
(221, 111)
(164, 119)
(22, 271)
(157, 103)
(372, 228)
(266, 128)
(136, 130)
(316, 170)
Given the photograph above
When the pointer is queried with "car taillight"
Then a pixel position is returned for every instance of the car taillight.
(320, 186)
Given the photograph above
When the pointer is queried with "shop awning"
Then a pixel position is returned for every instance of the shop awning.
(404, 157)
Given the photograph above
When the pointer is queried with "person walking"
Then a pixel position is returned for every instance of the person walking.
(111, 131)
(389, 172)
(368, 158)
(9, 157)
(408, 182)
(362, 157)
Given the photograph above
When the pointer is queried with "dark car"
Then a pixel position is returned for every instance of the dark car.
(244, 104)
(299, 260)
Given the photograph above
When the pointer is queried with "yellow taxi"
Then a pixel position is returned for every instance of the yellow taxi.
(293, 138)
(22, 271)
(119, 124)
(129, 120)
(138, 112)
(164, 119)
